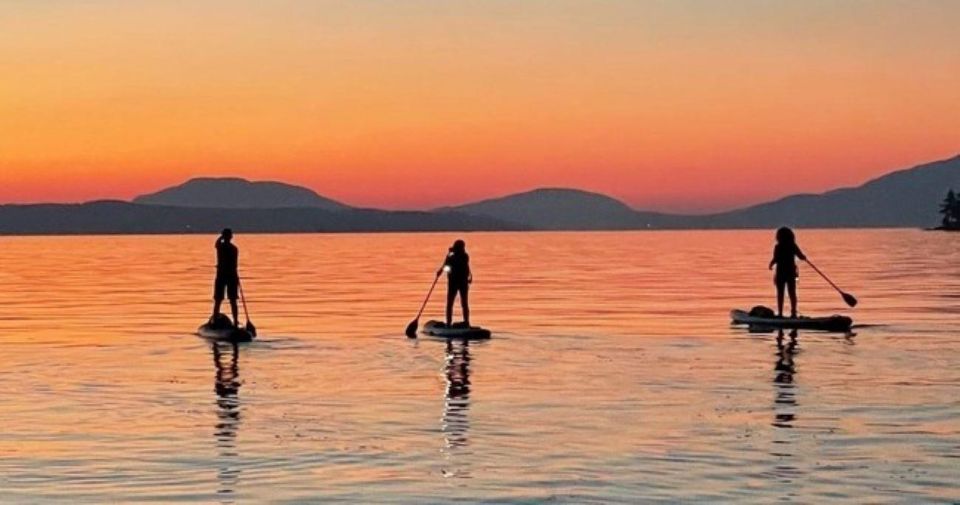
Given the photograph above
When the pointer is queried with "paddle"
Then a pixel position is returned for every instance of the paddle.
(412, 327)
(250, 327)
(847, 297)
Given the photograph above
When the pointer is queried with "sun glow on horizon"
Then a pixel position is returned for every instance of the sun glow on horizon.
(679, 106)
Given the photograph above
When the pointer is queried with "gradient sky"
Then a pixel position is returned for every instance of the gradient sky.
(673, 105)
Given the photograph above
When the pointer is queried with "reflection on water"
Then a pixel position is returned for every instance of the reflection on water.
(785, 404)
(455, 423)
(227, 387)
(785, 407)
(613, 375)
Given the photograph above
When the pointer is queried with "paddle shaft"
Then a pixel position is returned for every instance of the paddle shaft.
(814, 267)
(427, 299)
(243, 299)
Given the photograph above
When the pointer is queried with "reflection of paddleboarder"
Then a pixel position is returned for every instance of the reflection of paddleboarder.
(785, 408)
(457, 397)
(227, 388)
(456, 405)
(785, 368)
(459, 278)
(784, 258)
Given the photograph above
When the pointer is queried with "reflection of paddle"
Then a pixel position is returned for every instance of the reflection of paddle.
(847, 297)
(250, 327)
(412, 327)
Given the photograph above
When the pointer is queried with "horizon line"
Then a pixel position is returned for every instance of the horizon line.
(508, 194)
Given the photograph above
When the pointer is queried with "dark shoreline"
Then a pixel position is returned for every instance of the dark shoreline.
(125, 218)
(424, 231)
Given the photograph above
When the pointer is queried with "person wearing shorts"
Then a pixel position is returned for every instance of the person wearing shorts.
(227, 281)
(785, 254)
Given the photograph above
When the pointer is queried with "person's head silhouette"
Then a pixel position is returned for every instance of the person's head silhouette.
(226, 235)
(785, 236)
(458, 247)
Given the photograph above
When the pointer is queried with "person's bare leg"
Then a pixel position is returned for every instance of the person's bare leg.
(792, 286)
(780, 287)
(236, 312)
(216, 309)
(465, 305)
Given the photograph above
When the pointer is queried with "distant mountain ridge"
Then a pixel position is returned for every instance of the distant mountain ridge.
(904, 198)
(116, 217)
(237, 193)
(562, 209)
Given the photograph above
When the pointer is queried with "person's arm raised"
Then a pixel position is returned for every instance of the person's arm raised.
(800, 254)
(446, 261)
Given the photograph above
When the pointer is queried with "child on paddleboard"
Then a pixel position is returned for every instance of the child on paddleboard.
(459, 278)
(784, 258)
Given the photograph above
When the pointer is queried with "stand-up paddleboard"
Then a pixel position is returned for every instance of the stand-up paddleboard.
(830, 323)
(457, 330)
(222, 329)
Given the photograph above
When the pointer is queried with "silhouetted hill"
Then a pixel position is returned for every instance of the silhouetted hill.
(113, 217)
(905, 198)
(236, 193)
(564, 209)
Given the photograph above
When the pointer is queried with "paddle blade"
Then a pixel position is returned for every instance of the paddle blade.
(251, 329)
(850, 299)
(412, 328)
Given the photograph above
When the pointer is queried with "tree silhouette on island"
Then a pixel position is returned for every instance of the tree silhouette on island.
(950, 209)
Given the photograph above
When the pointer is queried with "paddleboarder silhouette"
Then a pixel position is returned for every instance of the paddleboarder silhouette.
(784, 258)
(227, 280)
(459, 278)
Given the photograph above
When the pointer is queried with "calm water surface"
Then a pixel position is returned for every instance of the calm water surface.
(614, 375)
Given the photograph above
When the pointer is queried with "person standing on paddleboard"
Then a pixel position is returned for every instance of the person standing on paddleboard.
(228, 280)
(459, 278)
(784, 257)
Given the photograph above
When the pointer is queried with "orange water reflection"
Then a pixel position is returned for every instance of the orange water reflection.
(613, 375)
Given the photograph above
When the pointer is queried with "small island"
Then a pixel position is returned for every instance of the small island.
(950, 210)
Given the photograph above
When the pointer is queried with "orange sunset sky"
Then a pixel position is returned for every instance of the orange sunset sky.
(674, 105)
